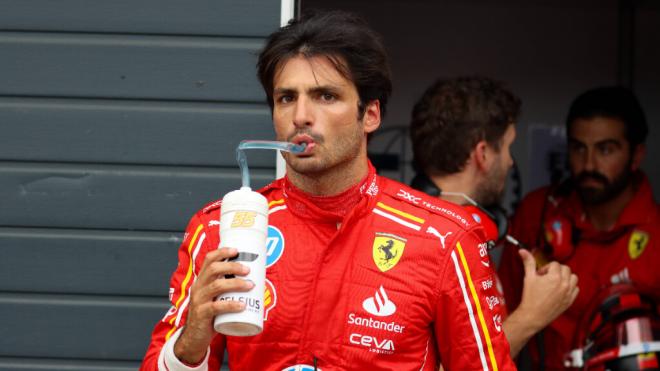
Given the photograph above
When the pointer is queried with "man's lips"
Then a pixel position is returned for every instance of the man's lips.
(307, 140)
(592, 180)
(591, 183)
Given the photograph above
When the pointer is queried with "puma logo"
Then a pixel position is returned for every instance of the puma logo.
(435, 232)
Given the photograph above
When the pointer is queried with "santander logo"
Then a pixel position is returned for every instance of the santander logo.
(379, 305)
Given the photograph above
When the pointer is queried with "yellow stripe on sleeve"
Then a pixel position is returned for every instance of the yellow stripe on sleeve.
(169, 333)
(400, 213)
(275, 202)
(478, 305)
(189, 274)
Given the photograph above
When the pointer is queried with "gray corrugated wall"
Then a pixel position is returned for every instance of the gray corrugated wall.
(118, 120)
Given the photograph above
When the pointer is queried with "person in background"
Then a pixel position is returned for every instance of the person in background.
(365, 272)
(602, 222)
(461, 131)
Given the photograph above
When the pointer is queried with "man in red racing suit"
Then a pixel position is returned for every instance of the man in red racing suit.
(395, 283)
(363, 272)
(627, 253)
(602, 222)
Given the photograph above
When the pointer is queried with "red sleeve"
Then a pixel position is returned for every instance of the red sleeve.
(469, 323)
(191, 255)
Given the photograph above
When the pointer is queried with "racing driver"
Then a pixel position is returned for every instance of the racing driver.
(365, 273)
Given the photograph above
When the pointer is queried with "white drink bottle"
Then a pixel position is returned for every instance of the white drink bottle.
(244, 226)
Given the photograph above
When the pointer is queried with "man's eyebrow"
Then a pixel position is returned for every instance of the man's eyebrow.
(599, 143)
(609, 141)
(324, 89)
(283, 91)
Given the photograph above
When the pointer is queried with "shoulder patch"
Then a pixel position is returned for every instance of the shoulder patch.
(431, 204)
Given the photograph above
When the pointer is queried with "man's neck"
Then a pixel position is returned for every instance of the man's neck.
(604, 216)
(331, 182)
(459, 183)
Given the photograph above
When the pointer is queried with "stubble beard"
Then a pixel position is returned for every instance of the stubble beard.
(610, 190)
(324, 159)
(491, 191)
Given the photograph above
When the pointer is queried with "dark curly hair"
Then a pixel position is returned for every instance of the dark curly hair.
(613, 102)
(453, 116)
(356, 51)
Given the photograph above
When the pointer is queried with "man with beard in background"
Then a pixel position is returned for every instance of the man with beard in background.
(462, 130)
(602, 222)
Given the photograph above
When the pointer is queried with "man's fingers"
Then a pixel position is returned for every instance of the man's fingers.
(573, 280)
(227, 306)
(215, 265)
(553, 268)
(222, 268)
(219, 255)
(213, 308)
(575, 293)
(528, 261)
(222, 285)
(565, 272)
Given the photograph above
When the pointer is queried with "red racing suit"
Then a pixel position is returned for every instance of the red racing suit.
(628, 253)
(400, 282)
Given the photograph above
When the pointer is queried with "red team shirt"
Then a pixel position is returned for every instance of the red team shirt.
(401, 281)
(628, 253)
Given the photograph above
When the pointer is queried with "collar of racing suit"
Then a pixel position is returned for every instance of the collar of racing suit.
(358, 198)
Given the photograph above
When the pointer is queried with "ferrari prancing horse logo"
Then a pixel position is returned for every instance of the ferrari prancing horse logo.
(637, 244)
(387, 250)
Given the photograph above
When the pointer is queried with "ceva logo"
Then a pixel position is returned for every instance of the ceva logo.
(379, 305)
(382, 346)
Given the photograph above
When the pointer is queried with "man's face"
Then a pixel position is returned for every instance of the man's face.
(491, 191)
(314, 104)
(599, 158)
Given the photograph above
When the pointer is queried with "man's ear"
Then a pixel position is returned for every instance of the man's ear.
(481, 156)
(371, 118)
(638, 155)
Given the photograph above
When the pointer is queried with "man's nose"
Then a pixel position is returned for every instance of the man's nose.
(590, 160)
(302, 115)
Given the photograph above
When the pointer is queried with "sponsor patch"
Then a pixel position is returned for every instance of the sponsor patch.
(170, 312)
(274, 246)
(375, 345)
(212, 206)
(620, 277)
(637, 244)
(270, 298)
(301, 368)
(379, 305)
(409, 196)
(435, 232)
(387, 250)
(373, 188)
(497, 322)
(492, 301)
(354, 319)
